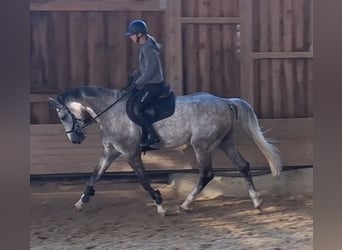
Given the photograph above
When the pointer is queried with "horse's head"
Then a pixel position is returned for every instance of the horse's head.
(72, 125)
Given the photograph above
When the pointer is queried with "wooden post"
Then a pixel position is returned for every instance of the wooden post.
(173, 48)
(246, 51)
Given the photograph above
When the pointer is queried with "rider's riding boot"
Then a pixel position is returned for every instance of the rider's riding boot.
(152, 137)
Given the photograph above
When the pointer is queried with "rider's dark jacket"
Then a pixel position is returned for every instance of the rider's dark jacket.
(150, 68)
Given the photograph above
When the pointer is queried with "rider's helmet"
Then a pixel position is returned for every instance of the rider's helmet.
(135, 27)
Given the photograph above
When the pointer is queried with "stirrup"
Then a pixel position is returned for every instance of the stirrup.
(150, 141)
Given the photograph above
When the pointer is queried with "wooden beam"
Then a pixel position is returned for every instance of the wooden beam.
(173, 48)
(41, 97)
(97, 5)
(282, 55)
(211, 20)
(246, 38)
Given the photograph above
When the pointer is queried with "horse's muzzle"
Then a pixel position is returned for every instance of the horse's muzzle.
(77, 138)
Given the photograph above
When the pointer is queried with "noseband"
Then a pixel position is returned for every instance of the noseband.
(76, 128)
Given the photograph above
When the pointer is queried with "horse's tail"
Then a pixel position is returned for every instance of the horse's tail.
(245, 114)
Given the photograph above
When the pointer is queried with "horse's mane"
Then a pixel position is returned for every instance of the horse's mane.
(79, 92)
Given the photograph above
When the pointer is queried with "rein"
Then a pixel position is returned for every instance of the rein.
(88, 122)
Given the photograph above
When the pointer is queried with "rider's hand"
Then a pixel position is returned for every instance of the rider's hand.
(130, 80)
(131, 87)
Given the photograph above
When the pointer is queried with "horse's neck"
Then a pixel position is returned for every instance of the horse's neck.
(99, 102)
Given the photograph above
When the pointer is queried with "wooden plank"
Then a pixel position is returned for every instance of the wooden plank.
(190, 56)
(281, 55)
(281, 130)
(78, 26)
(61, 141)
(289, 88)
(203, 49)
(310, 28)
(117, 44)
(246, 67)
(60, 49)
(51, 138)
(300, 96)
(288, 64)
(41, 97)
(156, 22)
(228, 84)
(98, 5)
(39, 113)
(265, 77)
(53, 129)
(294, 138)
(211, 20)
(275, 25)
(98, 73)
(34, 56)
(275, 63)
(173, 53)
(215, 65)
(132, 49)
(41, 41)
(285, 128)
(36, 64)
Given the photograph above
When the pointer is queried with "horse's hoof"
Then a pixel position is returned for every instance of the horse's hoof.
(77, 207)
(258, 204)
(186, 209)
(163, 213)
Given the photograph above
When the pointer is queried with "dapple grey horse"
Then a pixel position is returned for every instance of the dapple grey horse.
(201, 120)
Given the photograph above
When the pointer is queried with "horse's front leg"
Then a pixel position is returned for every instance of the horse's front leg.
(108, 156)
(138, 166)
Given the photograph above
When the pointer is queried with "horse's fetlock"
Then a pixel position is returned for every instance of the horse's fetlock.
(85, 198)
(89, 191)
(157, 197)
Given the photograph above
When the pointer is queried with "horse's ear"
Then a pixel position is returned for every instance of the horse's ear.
(53, 102)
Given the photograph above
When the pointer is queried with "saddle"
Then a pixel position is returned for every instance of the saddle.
(161, 108)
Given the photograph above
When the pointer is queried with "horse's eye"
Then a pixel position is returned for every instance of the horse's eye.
(63, 117)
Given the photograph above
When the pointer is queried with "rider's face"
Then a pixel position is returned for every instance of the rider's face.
(137, 38)
(134, 38)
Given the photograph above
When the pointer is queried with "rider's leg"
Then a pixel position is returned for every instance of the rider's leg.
(143, 98)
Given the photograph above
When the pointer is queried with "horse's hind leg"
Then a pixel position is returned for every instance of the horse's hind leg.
(229, 148)
(138, 167)
(203, 158)
(108, 156)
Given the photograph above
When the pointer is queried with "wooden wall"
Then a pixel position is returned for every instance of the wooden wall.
(259, 50)
(283, 58)
(84, 47)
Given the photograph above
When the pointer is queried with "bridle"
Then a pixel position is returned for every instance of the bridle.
(76, 128)
(87, 122)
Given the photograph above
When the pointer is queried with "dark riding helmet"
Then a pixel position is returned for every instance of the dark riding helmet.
(135, 27)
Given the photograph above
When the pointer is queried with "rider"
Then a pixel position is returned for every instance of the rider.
(147, 80)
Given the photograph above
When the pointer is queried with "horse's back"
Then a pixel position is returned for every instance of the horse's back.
(200, 109)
